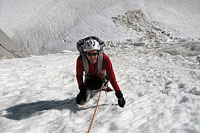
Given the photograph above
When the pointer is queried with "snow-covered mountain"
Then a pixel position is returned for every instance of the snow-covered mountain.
(49, 26)
(154, 47)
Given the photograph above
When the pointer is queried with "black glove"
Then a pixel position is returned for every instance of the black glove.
(82, 95)
(121, 100)
(83, 89)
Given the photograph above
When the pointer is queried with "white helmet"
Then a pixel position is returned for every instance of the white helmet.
(91, 45)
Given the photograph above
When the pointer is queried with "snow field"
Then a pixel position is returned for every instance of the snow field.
(160, 82)
(162, 94)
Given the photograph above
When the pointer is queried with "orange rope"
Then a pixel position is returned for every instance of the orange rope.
(96, 108)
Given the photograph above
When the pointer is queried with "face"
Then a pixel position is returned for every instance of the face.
(92, 56)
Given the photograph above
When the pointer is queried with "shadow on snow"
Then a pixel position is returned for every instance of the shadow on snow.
(27, 110)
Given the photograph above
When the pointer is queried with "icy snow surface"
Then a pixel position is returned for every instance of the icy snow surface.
(154, 48)
(162, 92)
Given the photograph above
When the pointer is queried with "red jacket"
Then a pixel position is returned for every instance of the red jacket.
(93, 70)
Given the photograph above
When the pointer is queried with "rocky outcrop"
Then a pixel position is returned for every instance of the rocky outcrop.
(9, 48)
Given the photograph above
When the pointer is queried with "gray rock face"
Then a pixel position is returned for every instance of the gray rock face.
(9, 48)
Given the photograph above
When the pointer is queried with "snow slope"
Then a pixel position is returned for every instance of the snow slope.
(153, 45)
(49, 26)
(162, 91)
(9, 48)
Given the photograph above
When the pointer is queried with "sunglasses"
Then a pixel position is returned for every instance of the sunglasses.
(92, 54)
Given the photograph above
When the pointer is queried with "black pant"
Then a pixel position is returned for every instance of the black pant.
(93, 83)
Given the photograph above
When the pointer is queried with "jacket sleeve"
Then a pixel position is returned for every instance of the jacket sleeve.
(79, 71)
(110, 72)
